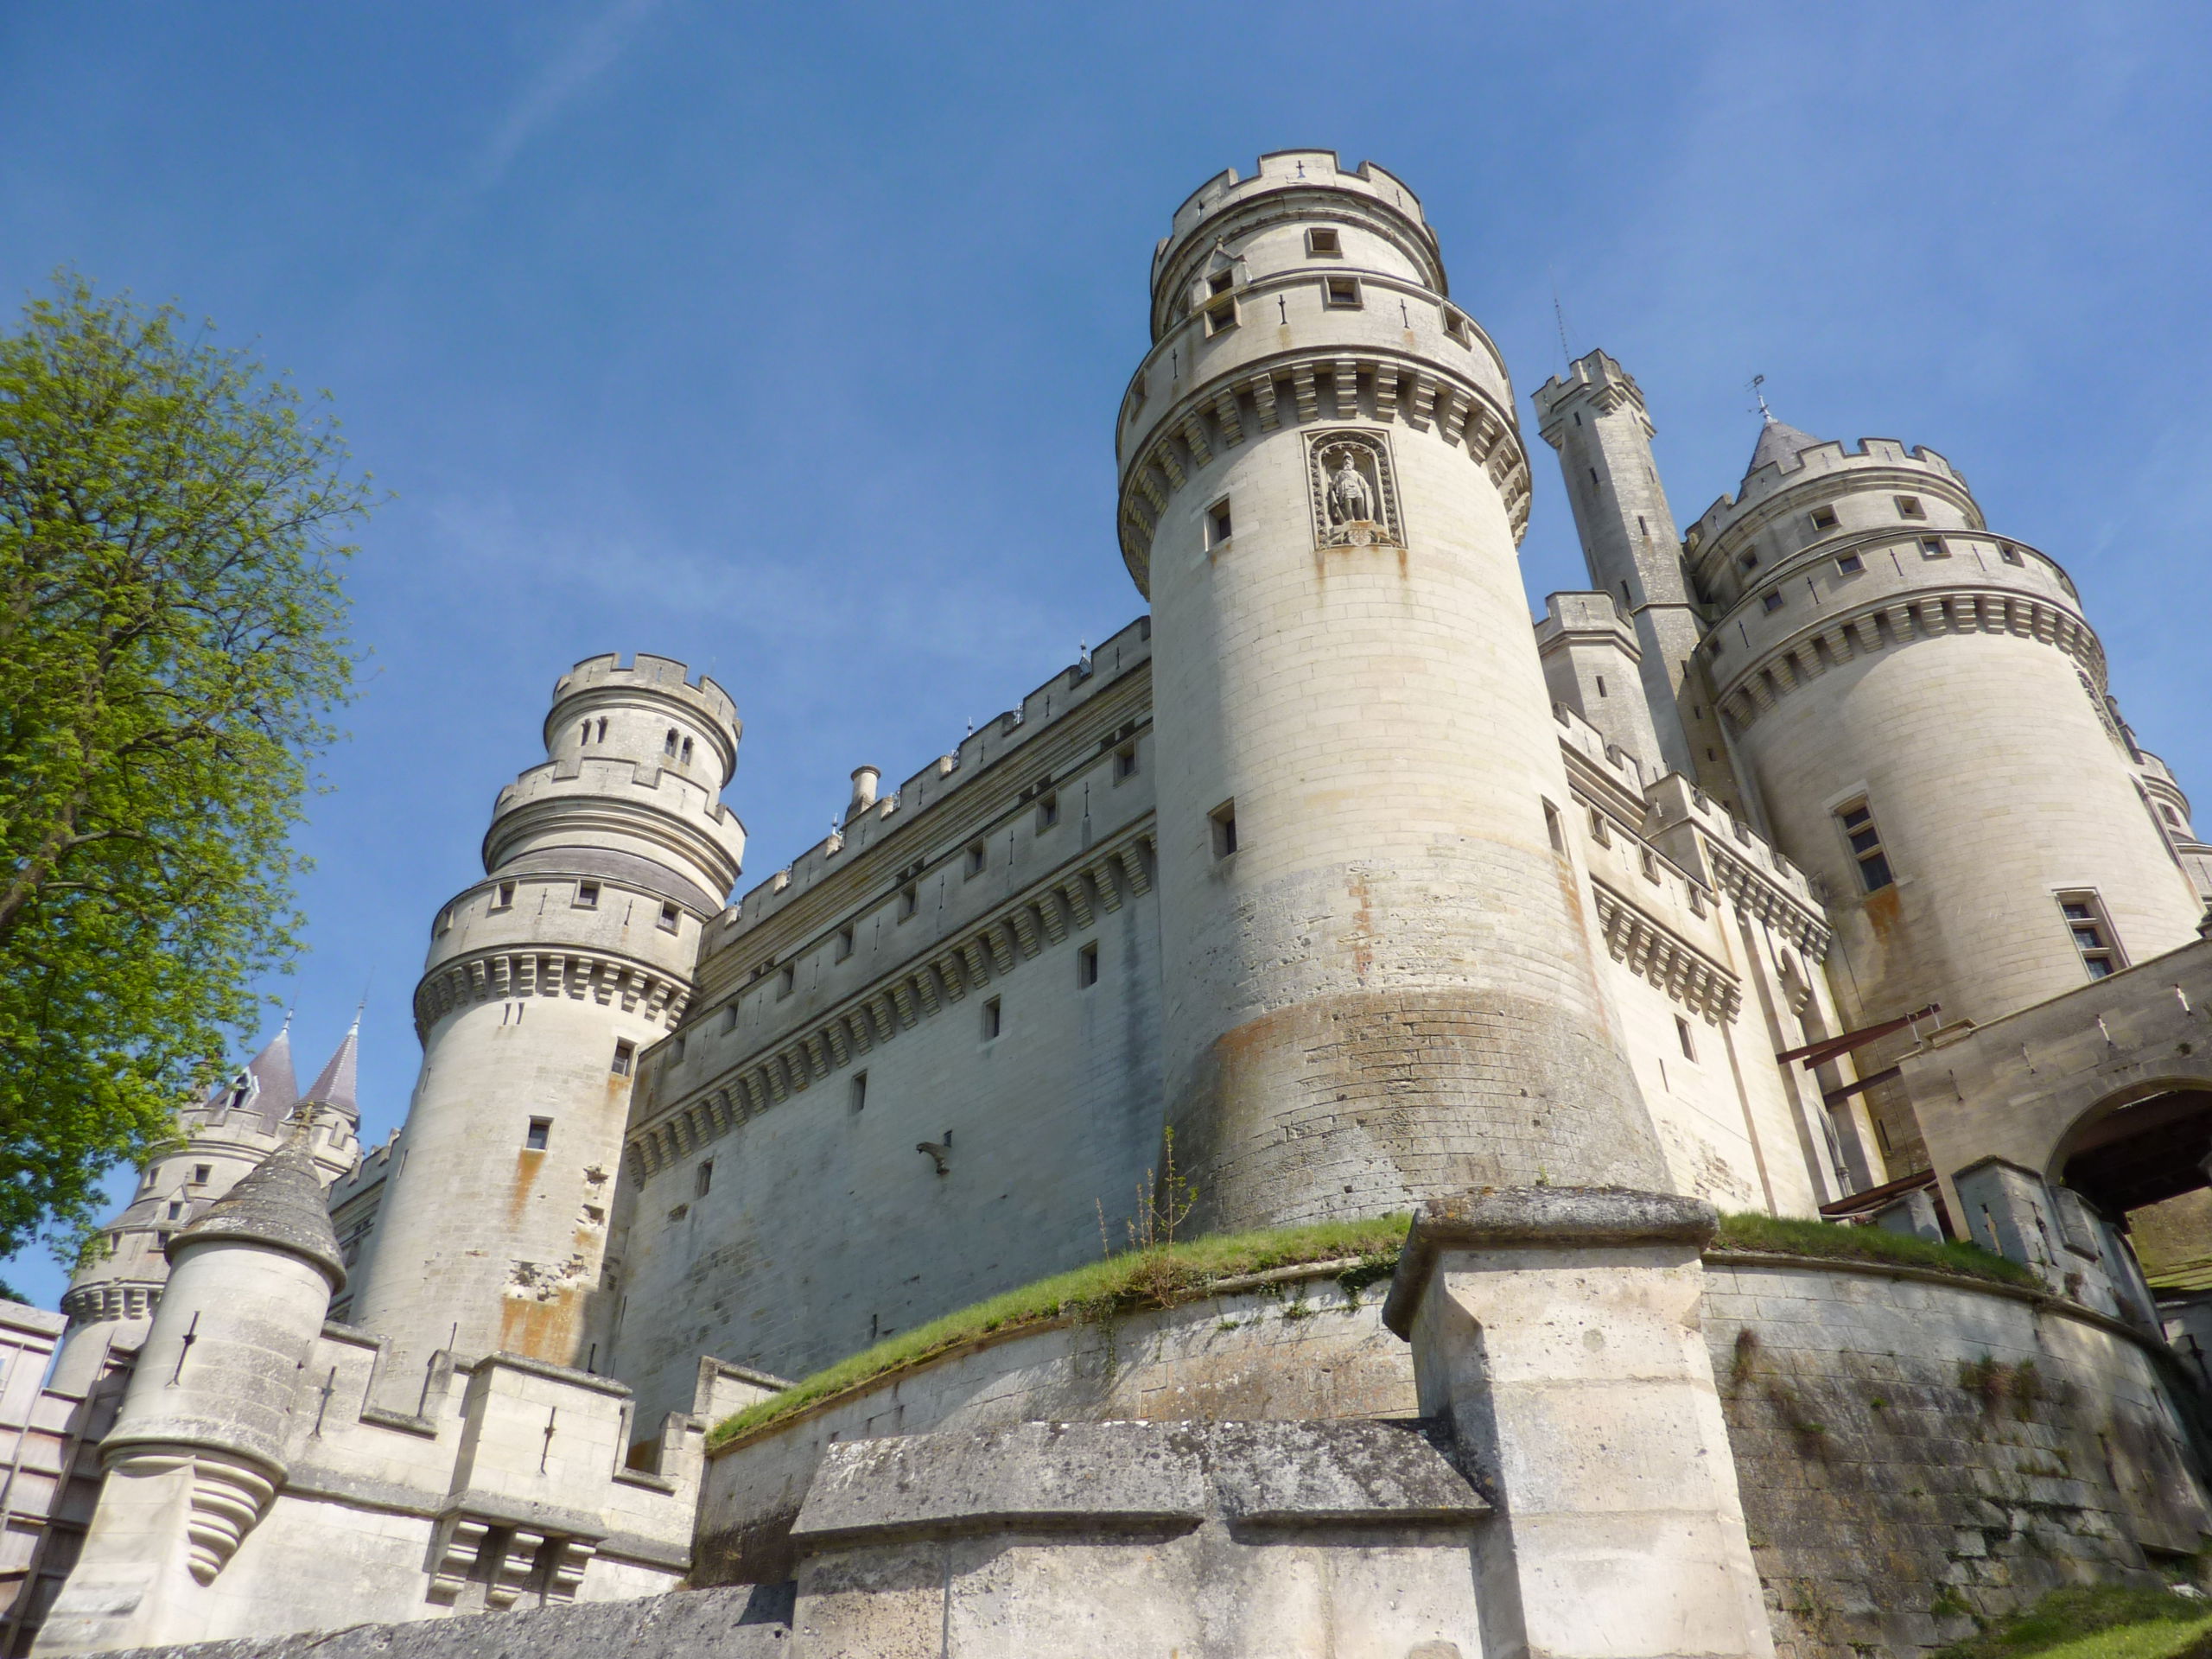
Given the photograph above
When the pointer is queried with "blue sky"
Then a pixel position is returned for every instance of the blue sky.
(788, 340)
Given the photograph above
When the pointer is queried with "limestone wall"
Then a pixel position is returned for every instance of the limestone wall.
(1911, 1450)
(1295, 1347)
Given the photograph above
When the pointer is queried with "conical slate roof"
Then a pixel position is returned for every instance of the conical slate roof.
(1780, 443)
(278, 1204)
(334, 1086)
(275, 1085)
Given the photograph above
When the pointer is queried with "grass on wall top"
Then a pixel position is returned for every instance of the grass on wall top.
(1166, 1276)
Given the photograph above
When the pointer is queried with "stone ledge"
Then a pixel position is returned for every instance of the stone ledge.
(1539, 1216)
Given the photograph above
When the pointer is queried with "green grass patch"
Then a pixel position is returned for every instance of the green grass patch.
(1134, 1282)
(2101, 1622)
(1787, 1236)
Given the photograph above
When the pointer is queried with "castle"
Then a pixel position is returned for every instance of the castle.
(1802, 864)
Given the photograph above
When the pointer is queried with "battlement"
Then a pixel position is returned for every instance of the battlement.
(1595, 379)
(646, 675)
(993, 741)
(1830, 460)
(1282, 170)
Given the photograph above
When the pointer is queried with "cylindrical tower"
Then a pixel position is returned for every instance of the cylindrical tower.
(545, 980)
(1921, 705)
(1381, 985)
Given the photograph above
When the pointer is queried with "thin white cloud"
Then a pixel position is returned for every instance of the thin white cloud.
(588, 54)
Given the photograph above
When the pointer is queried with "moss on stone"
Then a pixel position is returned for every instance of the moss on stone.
(1135, 1281)
(1826, 1240)
(2103, 1622)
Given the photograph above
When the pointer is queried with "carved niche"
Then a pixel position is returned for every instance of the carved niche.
(1354, 489)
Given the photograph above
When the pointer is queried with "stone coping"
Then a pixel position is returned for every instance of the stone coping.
(1535, 1217)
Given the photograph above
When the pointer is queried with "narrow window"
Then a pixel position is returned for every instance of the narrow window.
(1642, 529)
(1866, 842)
(1772, 601)
(2093, 935)
(977, 855)
(1649, 861)
(1598, 833)
(1125, 762)
(910, 900)
(1218, 524)
(787, 981)
(704, 1180)
(1932, 548)
(1908, 507)
(1456, 325)
(1221, 316)
(602, 731)
(1601, 685)
(2009, 553)
(584, 735)
(177, 1209)
(1220, 282)
(1344, 292)
(676, 1050)
(668, 744)
(1554, 828)
(729, 1016)
(1749, 562)
(1593, 475)
(201, 1173)
(539, 1133)
(990, 1020)
(1223, 820)
(844, 943)
(1850, 565)
(1697, 899)
(506, 896)
(1325, 241)
(1086, 966)
(856, 1096)
(587, 895)
(2169, 815)
(626, 1055)
(1824, 519)
(687, 752)
(1048, 810)
(1685, 1038)
(670, 917)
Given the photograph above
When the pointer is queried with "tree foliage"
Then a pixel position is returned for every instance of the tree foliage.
(172, 646)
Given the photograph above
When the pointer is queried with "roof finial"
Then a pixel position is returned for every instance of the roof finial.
(1757, 381)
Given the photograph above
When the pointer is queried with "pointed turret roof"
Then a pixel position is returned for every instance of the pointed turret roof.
(334, 1086)
(279, 1202)
(1780, 443)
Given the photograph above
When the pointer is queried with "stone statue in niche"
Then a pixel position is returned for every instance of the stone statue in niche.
(1354, 503)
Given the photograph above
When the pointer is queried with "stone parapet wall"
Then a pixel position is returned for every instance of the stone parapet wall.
(1914, 1450)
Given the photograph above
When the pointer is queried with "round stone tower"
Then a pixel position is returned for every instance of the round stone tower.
(545, 980)
(1382, 981)
(1922, 704)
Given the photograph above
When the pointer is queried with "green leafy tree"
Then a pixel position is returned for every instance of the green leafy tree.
(172, 646)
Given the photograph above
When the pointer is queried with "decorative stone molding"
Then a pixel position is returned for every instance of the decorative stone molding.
(1756, 895)
(1655, 952)
(1774, 673)
(94, 1304)
(1107, 878)
(1405, 390)
(488, 975)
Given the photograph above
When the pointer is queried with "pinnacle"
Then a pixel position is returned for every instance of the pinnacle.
(335, 1084)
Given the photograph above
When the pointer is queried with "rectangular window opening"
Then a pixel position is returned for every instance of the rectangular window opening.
(857, 1096)
(1908, 507)
(1223, 821)
(1649, 861)
(1553, 829)
(1772, 601)
(1125, 762)
(844, 943)
(625, 1056)
(587, 895)
(1687, 1037)
(2093, 933)
(1598, 833)
(670, 917)
(200, 1173)
(2010, 553)
(1749, 562)
(506, 896)
(1932, 548)
(991, 1021)
(1048, 810)
(1344, 292)
(1221, 316)
(978, 856)
(540, 1133)
(1086, 966)
(1217, 524)
(787, 981)
(701, 1182)
(910, 900)
(1456, 325)
(1850, 565)
(1324, 241)
(1220, 282)
(1824, 519)
(1865, 840)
